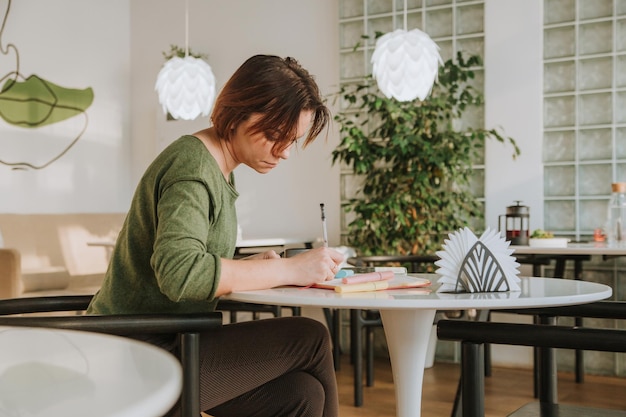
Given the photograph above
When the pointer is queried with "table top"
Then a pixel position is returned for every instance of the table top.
(593, 248)
(536, 292)
(51, 372)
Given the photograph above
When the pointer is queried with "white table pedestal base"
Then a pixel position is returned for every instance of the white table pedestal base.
(407, 333)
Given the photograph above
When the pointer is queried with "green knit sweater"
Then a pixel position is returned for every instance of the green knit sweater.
(182, 220)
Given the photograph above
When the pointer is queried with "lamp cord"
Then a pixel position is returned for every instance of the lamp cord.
(187, 28)
(405, 17)
(4, 50)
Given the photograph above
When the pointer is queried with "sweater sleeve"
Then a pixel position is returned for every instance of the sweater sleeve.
(181, 223)
(185, 268)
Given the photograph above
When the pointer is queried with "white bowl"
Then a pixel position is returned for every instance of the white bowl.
(553, 242)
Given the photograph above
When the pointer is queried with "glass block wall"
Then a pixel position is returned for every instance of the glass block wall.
(584, 144)
(455, 25)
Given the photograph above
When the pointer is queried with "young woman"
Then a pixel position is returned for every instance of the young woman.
(174, 252)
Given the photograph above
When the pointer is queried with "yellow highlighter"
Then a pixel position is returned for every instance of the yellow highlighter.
(364, 286)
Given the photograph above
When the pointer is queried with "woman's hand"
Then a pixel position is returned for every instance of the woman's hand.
(315, 265)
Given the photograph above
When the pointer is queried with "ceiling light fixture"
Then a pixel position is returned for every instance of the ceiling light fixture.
(186, 86)
(405, 63)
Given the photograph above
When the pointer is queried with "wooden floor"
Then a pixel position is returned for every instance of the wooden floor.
(506, 390)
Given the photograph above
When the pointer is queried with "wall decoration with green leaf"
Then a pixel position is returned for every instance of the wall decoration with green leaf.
(33, 102)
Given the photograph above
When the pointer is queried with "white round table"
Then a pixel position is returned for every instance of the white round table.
(408, 316)
(50, 372)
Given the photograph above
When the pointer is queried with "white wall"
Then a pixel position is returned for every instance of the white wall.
(513, 101)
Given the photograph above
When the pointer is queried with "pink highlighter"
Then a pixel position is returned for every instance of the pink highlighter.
(368, 277)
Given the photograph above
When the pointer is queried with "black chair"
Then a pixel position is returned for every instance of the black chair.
(545, 337)
(15, 312)
(367, 320)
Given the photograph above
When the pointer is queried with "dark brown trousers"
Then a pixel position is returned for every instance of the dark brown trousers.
(281, 367)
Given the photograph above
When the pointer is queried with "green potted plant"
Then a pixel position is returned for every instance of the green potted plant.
(414, 161)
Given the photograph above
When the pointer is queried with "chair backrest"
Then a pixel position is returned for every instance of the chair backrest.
(14, 312)
(12, 306)
(564, 337)
(598, 310)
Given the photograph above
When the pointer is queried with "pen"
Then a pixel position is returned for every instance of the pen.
(324, 229)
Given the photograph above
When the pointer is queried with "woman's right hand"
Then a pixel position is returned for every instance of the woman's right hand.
(315, 265)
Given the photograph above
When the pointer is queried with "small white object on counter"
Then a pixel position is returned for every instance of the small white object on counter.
(553, 242)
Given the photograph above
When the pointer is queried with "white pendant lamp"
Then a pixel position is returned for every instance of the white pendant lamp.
(405, 63)
(186, 86)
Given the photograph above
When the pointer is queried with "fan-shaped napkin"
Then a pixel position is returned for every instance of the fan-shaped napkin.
(471, 264)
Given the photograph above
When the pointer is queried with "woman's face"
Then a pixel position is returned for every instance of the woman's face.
(256, 150)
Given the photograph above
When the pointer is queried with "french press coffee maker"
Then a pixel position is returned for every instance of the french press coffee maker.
(516, 224)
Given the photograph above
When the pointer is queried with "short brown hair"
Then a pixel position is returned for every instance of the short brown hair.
(277, 88)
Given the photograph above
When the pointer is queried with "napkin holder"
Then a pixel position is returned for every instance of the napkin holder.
(477, 265)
